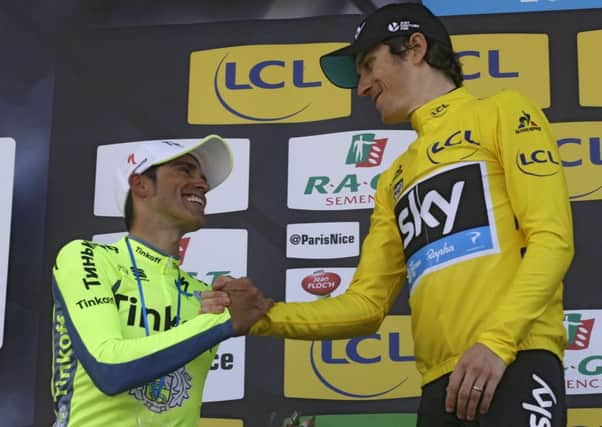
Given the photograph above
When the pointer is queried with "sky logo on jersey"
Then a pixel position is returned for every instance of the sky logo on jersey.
(492, 62)
(588, 60)
(583, 355)
(7, 177)
(471, 7)
(356, 369)
(260, 84)
(365, 151)
(340, 171)
(581, 155)
(443, 227)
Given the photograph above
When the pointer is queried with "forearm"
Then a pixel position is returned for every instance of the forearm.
(343, 316)
(536, 283)
(116, 364)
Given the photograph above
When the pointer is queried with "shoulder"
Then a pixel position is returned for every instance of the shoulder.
(79, 249)
(508, 98)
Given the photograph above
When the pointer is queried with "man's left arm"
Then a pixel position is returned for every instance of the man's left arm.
(539, 197)
(538, 194)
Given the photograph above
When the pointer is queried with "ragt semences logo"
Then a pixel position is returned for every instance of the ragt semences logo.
(579, 331)
(583, 355)
(366, 151)
(340, 171)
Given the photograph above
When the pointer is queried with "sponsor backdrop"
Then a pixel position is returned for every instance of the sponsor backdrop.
(7, 175)
(307, 159)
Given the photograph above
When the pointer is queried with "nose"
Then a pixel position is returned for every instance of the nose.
(202, 184)
(363, 85)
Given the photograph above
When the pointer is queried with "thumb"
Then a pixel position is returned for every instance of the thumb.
(220, 282)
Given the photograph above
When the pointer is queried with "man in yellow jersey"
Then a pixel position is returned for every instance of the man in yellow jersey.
(474, 217)
(130, 348)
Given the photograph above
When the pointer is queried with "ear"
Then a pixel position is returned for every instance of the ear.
(140, 185)
(418, 46)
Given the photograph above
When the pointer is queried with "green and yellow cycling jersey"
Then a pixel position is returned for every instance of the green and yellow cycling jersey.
(106, 370)
(475, 217)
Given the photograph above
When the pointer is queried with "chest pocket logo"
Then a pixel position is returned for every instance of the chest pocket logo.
(458, 146)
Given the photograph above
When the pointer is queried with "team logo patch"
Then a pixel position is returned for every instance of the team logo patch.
(173, 393)
(446, 218)
(525, 124)
(439, 110)
(539, 162)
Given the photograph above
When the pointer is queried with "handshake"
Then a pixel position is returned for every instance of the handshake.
(245, 302)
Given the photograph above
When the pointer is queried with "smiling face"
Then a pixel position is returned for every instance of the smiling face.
(391, 81)
(177, 197)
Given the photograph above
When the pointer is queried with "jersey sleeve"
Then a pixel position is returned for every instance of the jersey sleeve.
(538, 194)
(83, 277)
(362, 307)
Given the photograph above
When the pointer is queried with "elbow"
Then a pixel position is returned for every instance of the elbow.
(110, 388)
(372, 324)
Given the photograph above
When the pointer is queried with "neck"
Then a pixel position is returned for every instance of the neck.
(433, 85)
(166, 240)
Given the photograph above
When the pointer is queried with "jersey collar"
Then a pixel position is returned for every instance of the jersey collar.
(428, 115)
(150, 255)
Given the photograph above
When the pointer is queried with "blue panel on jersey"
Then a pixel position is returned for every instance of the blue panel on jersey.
(451, 249)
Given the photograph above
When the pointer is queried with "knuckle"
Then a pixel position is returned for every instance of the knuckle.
(463, 395)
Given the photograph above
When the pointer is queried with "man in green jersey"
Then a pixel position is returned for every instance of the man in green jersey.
(473, 217)
(130, 348)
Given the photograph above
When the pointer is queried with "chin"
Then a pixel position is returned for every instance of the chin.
(393, 118)
(194, 224)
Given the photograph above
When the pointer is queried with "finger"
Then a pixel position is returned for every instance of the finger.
(476, 393)
(215, 296)
(221, 281)
(453, 386)
(488, 393)
(464, 394)
(211, 308)
(242, 284)
(266, 304)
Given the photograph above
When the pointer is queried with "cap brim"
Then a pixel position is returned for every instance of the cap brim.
(340, 70)
(216, 159)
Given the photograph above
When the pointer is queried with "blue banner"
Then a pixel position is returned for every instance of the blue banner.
(472, 7)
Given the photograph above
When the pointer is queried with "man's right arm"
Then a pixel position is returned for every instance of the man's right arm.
(84, 303)
(373, 289)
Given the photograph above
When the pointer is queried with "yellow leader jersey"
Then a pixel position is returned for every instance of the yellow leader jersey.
(475, 217)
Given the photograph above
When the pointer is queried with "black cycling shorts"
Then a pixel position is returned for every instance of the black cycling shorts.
(530, 394)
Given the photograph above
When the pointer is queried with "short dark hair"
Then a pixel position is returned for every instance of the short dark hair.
(439, 55)
(129, 205)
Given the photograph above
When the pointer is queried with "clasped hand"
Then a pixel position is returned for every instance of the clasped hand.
(246, 303)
